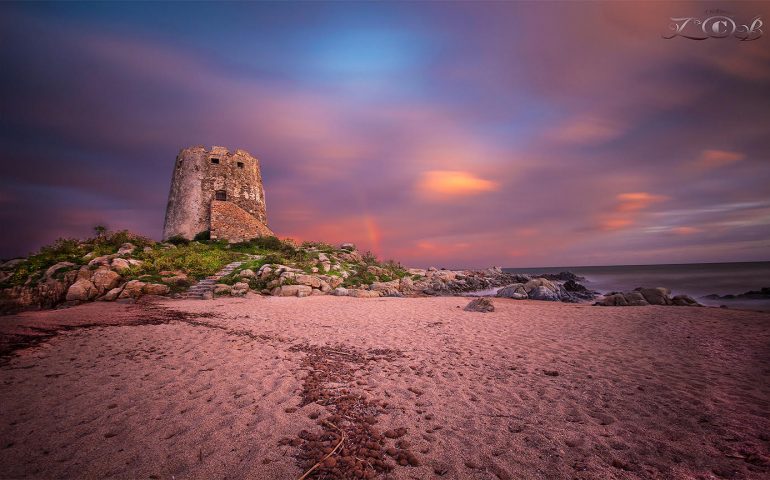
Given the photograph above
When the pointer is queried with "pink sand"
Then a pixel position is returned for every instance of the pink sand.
(642, 392)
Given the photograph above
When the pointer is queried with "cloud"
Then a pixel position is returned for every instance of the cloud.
(588, 130)
(711, 159)
(627, 209)
(453, 183)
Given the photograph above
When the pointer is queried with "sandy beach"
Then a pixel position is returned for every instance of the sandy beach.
(262, 387)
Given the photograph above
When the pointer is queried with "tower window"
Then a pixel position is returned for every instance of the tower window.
(220, 195)
(240, 164)
(215, 161)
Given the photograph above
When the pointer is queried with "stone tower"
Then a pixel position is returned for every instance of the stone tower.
(218, 191)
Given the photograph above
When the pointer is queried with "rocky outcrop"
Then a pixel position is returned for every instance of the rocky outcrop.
(546, 290)
(641, 296)
(762, 294)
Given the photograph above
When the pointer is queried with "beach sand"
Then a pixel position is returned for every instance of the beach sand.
(225, 389)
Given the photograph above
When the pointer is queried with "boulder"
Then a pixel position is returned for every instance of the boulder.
(685, 301)
(316, 291)
(118, 264)
(406, 285)
(543, 293)
(126, 249)
(82, 290)
(222, 289)
(656, 296)
(132, 289)
(482, 304)
(340, 292)
(292, 291)
(309, 280)
(635, 299)
(155, 289)
(247, 273)
(361, 293)
(11, 264)
(322, 257)
(515, 291)
(112, 295)
(239, 289)
(387, 289)
(104, 279)
(348, 246)
(103, 260)
(55, 268)
(540, 282)
(176, 278)
(135, 263)
(613, 300)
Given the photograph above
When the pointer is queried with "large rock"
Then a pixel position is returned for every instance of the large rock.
(348, 246)
(309, 280)
(239, 289)
(387, 289)
(222, 289)
(544, 293)
(685, 301)
(102, 260)
(126, 249)
(105, 279)
(656, 296)
(340, 292)
(132, 289)
(540, 282)
(613, 300)
(155, 289)
(515, 291)
(57, 267)
(112, 295)
(482, 305)
(635, 299)
(361, 293)
(247, 273)
(292, 291)
(119, 264)
(82, 290)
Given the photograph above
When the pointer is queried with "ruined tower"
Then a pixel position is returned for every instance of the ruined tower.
(217, 191)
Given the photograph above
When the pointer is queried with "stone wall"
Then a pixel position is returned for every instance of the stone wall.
(196, 180)
(231, 222)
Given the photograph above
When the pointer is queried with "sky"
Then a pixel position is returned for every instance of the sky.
(443, 134)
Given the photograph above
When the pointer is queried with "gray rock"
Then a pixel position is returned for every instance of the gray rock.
(685, 301)
(482, 304)
(126, 248)
(132, 289)
(340, 292)
(515, 291)
(118, 264)
(222, 289)
(656, 296)
(112, 295)
(635, 299)
(348, 246)
(613, 300)
(292, 291)
(543, 293)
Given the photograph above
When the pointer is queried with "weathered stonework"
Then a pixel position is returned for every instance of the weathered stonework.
(231, 222)
(215, 183)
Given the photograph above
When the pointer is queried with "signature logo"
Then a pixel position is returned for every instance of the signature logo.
(716, 24)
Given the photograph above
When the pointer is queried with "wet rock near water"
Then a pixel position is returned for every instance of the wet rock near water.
(642, 296)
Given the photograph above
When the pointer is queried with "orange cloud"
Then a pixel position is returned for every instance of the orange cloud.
(627, 209)
(631, 202)
(685, 230)
(454, 183)
(710, 159)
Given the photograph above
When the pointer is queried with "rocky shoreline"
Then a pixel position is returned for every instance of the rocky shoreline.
(308, 270)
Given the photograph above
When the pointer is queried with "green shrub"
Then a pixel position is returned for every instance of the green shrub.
(196, 259)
